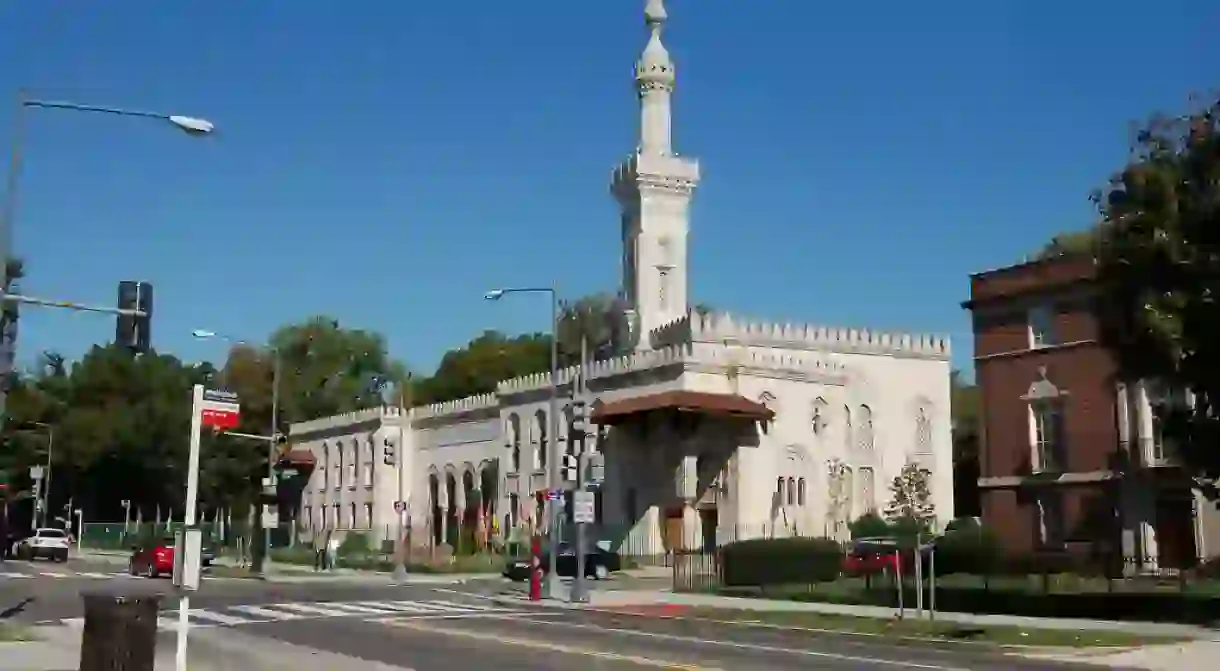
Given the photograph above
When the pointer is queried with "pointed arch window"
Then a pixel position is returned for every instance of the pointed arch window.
(818, 420)
(540, 449)
(865, 436)
(514, 445)
(800, 492)
(791, 491)
(847, 427)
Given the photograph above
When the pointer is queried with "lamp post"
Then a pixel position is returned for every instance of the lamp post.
(201, 334)
(552, 451)
(187, 124)
(46, 485)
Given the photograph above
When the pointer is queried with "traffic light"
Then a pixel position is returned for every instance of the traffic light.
(580, 420)
(389, 454)
(134, 331)
(571, 467)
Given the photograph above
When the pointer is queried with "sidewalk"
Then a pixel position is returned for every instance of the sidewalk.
(610, 599)
(208, 650)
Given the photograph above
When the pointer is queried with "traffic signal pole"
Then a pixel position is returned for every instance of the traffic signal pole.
(579, 588)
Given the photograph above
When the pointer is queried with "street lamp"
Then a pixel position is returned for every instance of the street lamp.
(187, 124)
(552, 451)
(46, 493)
(203, 334)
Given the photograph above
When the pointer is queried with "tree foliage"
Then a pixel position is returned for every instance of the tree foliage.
(911, 496)
(964, 398)
(121, 422)
(1159, 269)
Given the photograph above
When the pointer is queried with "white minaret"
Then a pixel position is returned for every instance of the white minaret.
(653, 188)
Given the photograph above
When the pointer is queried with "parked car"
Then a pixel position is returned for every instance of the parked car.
(600, 562)
(153, 557)
(868, 556)
(207, 554)
(45, 544)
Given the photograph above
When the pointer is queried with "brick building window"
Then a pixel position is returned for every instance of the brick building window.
(1046, 418)
(1041, 321)
(1050, 527)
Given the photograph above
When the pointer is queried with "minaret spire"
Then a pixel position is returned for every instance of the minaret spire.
(653, 188)
(654, 77)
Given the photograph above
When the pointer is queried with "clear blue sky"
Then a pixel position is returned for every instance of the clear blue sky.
(388, 162)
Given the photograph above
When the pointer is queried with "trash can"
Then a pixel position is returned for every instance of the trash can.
(120, 632)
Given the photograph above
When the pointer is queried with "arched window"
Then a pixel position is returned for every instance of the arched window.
(847, 427)
(923, 432)
(800, 492)
(540, 448)
(865, 433)
(791, 491)
(819, 416)
(514, 438)
(779, 490)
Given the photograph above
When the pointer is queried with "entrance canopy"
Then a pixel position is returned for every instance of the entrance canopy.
(730, 406)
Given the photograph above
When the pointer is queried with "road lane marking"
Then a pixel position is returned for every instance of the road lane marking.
(267, 612)
(219, 618)
(413, 624)
(358, 608)
(52, 574)
(860, 659)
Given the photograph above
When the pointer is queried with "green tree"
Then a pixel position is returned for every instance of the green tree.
(1071, 243)
(482, 363)
(911, 497)
(964, 398)
(1159, 267)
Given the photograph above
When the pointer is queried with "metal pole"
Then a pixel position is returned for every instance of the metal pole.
(579, 591)
(553, 454)
(400, 564)
(265, 558)
(932, 583)
(919, 575)
(192, 490)
(46, 494)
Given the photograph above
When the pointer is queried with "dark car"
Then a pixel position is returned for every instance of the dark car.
(600, 562)
(153, 557)
(207, 554)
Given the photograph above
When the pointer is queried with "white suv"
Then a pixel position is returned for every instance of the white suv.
(45, 543)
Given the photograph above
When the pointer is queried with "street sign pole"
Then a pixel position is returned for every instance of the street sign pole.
(186, 554)
(579, 494)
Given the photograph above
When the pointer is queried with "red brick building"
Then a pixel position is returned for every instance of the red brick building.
(1069, 455)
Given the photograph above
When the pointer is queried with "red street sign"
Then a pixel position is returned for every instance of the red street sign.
(223, 420)
(221, 410)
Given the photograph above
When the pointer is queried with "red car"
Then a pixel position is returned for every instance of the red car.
(153, 558)
(870, 556)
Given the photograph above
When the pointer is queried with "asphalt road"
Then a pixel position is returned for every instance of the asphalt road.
(425, 628)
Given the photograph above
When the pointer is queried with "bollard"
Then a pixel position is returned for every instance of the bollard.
(120, 632)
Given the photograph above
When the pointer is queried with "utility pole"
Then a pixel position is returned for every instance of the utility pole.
(580, 494)
(401, 507)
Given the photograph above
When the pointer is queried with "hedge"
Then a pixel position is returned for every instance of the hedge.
(780, 561)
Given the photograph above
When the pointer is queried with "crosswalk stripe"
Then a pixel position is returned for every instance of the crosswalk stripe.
(99, 576)
(267, 612)
(219, 618)
(442, 606)
(360, 608)
(463, 606)
(52, 574)
(15, 575)
(311, 610)
(396, 606)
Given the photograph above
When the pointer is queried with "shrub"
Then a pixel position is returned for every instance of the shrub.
(355, 543)
(778, 561)
(974, 551)
(869, 525)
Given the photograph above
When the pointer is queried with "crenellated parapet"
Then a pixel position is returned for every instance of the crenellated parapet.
(620, 365)
(346, 419)
(724, 328)
(458, 406)
(676, 332)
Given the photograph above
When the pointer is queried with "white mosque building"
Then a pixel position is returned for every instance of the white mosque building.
(712, 428)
